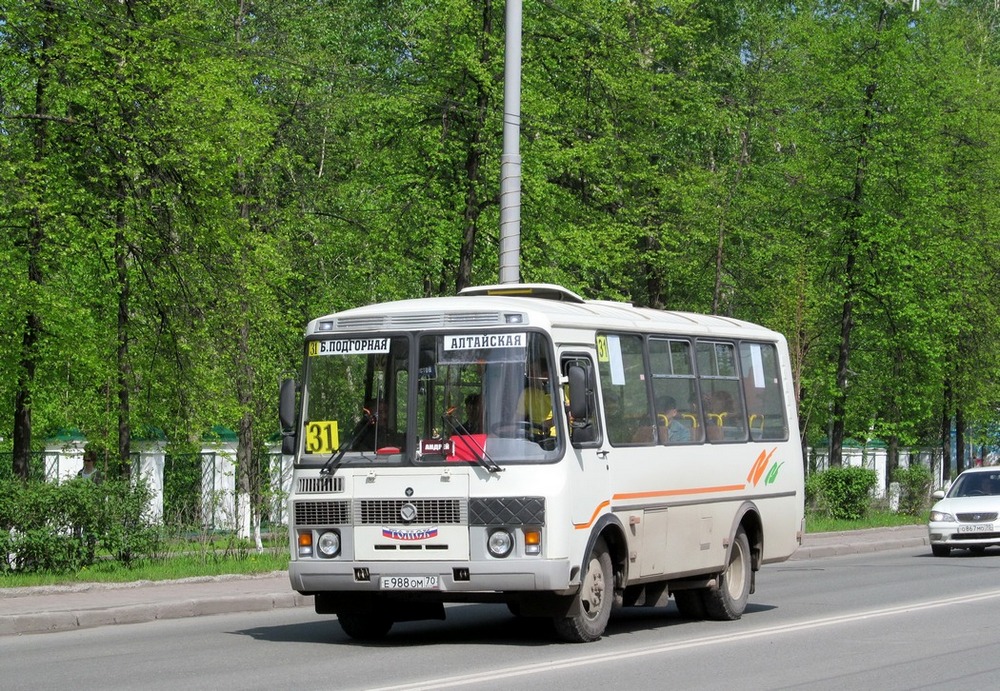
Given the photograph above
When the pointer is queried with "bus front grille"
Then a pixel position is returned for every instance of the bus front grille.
(321, 485)
(320, 513)
(425, 511)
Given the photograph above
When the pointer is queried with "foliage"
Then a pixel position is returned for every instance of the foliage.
(914, 488)
(184, 185)
(63, 527)
(814, 492)
(846, 492)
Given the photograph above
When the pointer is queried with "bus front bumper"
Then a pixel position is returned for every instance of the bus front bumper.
(516, 575)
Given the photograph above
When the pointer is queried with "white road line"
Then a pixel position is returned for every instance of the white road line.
(590, 659)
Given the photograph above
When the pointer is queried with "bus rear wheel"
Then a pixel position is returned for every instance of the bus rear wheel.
(595, 599)
(727, 602)
(365, 627)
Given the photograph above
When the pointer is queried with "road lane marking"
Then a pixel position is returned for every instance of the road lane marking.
(590, 659)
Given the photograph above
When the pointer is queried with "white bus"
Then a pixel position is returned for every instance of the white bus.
(519, 444)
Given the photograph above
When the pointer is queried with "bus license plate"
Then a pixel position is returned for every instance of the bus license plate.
(409, 583)
(976, 528)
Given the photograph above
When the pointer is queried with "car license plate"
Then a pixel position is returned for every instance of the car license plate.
(976, 528)
(409, 583)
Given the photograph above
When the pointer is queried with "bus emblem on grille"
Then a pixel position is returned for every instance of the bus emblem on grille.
(407, 512)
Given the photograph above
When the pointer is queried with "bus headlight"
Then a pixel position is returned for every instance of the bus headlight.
(328, 544)
(500, 543)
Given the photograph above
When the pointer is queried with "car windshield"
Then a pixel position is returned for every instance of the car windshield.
(978, 484)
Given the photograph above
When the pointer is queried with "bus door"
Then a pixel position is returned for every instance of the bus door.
(587, 480)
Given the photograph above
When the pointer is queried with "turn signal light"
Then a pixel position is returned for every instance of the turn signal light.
(532, 542)
(305, 544)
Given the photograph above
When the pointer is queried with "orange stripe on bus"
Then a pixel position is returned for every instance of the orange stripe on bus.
(657, 493)
(756, 464)
(762, 467)
(679, 492)
(593, 517)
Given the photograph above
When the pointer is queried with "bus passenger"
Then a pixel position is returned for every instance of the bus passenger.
(672, 430)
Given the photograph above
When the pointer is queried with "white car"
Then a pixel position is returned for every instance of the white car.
(967, 516)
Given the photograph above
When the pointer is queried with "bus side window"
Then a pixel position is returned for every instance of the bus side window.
(623, 387)
(675, 390)
(722, 400)
(762, 388)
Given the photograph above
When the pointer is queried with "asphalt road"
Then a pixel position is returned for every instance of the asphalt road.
(877, 618)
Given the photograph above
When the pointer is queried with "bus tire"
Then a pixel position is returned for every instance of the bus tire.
(595, 599)
(690, 604)
(727, 602)
(365, 627)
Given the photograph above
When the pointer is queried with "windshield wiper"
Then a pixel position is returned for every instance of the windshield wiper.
(333, 462)
(482, 458)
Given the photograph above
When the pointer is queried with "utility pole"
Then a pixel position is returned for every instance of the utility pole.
(510, 160)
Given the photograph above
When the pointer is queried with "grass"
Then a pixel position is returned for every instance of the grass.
(187, 565)
(823, 523)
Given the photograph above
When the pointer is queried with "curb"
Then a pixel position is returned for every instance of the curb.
(49, 609)
(51, 622)
(844, 549)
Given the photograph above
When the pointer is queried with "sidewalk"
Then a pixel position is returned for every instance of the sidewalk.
(64, 608)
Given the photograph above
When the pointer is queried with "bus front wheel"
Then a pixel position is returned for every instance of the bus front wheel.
(690, 604)
(595, 599)
(365, 627)
(727, 602)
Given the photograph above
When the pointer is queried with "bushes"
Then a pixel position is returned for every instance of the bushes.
(914, 486)
(844, 493)
(61, 527)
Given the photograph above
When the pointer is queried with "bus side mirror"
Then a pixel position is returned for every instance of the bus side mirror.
(286, 415)
(579, 394)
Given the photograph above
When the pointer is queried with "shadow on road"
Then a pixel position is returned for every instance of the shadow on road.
(479, 624)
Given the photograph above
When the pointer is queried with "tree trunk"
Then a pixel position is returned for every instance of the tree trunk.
(124, 365)
(247, 470)
(946, 433)
(33, 244)
(891, 461)
(853, 244)
(959, 438)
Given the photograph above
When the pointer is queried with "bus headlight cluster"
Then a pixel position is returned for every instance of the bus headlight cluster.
(500, 543)
(328, 544)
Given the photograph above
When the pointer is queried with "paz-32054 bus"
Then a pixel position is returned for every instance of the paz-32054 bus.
(519, 444)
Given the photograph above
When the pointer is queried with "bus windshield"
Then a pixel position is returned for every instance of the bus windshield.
(478, 398)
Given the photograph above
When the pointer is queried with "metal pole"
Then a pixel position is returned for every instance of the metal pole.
(510, 161)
